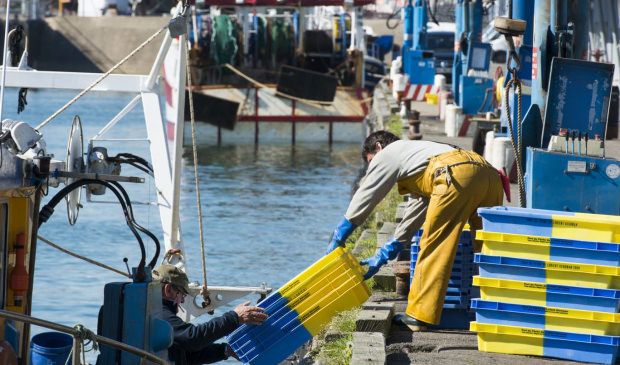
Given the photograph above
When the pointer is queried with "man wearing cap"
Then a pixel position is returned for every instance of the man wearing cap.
(193, 344)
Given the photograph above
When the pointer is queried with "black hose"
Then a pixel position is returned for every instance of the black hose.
(48, 210)
(431, 13)
(139, 227)
(387, 21)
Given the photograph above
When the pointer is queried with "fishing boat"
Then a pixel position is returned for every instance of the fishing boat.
(129, 330)
(310, 83)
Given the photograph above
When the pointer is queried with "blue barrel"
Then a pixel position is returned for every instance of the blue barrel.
(50, 348)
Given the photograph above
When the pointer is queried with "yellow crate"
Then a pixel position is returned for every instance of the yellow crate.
(531, 341)
(508, 339)
(571, 320)
(511, 291)
(561, 273)
(338, 262)
(332, 284)
(431, 98)
(512, 245)
(587, 227)
(592, 276)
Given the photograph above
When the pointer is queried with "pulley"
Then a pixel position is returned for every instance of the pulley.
(75, 163)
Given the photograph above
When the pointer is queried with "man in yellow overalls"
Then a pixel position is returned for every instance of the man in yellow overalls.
(451, 184)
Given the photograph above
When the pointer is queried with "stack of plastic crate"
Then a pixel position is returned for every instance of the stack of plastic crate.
(301, 309)
(456, 312)
(549, 284)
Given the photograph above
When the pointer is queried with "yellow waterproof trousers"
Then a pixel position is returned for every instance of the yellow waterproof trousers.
(455, 196)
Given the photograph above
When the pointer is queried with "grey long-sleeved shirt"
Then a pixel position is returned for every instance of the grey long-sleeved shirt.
(397, 161)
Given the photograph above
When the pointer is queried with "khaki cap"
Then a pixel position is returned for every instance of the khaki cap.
(171, 274)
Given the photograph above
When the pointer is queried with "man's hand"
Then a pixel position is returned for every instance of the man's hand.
(374, 264)
(389, 251)
(341, 233)
(230, 352)
(248, 314)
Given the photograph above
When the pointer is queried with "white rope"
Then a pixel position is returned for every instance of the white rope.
(82, 257)
(261, 85)
(196, 178)
(83, 92)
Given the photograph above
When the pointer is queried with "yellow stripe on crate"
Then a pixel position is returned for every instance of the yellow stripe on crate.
(585, 268)
(594, 276)
(331, 285)
(508, 339)
(586, 227)
(509, 291)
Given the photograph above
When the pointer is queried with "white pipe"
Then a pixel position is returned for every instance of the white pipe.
(4, 51)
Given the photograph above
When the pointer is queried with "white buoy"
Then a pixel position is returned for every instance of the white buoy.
(400, 83)
(443, 102)
(488, 146)
(440, 81)
(453, 114)
(502, 155)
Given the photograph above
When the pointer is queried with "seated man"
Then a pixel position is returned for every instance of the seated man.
(193, 344)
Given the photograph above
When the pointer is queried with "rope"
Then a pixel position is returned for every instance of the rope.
(196, 177)
(83, 92)
(82, 333)
(83, 258)
(261, 85)
(516, 147)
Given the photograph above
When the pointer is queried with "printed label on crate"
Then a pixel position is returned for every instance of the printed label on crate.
(533, 332)
(536, 286)
(293, 284)
(562, 266)
(558, 311)
(535, 239)
(560, 223)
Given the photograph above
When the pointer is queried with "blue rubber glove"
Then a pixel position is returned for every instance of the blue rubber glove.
(341, 233)
(389, 251)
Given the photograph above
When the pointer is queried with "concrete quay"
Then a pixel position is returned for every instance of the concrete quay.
(379, 341)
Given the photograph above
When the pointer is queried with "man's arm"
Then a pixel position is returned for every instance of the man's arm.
(380, 178)
(413, 219)
(208, 355)
(190, 337)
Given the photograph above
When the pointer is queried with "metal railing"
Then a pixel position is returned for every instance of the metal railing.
(76, 333)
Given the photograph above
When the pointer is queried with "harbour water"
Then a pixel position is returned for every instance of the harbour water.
(268, 210)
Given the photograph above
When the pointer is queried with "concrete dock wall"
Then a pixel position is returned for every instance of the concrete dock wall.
(83, 44)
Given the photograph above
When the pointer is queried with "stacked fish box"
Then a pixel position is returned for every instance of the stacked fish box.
(549, 284)
(301, 309)
(456, 312)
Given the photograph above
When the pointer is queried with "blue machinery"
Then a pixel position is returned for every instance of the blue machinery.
(131, 314)
(470, 55)
(564, 128)
(418, 64)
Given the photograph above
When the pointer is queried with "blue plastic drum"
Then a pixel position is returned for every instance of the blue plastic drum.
(50, 348)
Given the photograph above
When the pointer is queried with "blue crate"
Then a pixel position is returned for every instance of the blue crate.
(552, 295)
(527, 221)
(465, 238)
(558, 344)
(551, 249)
(538, 271)
(453, 317)
(457, 301)
(549, 318)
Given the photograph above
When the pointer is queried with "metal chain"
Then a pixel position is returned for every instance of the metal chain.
(514, 81)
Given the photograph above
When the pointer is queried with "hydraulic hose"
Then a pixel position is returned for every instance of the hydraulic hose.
(139, 227)
(48, 210)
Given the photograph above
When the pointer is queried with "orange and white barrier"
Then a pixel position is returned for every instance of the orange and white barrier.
(418, 92)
